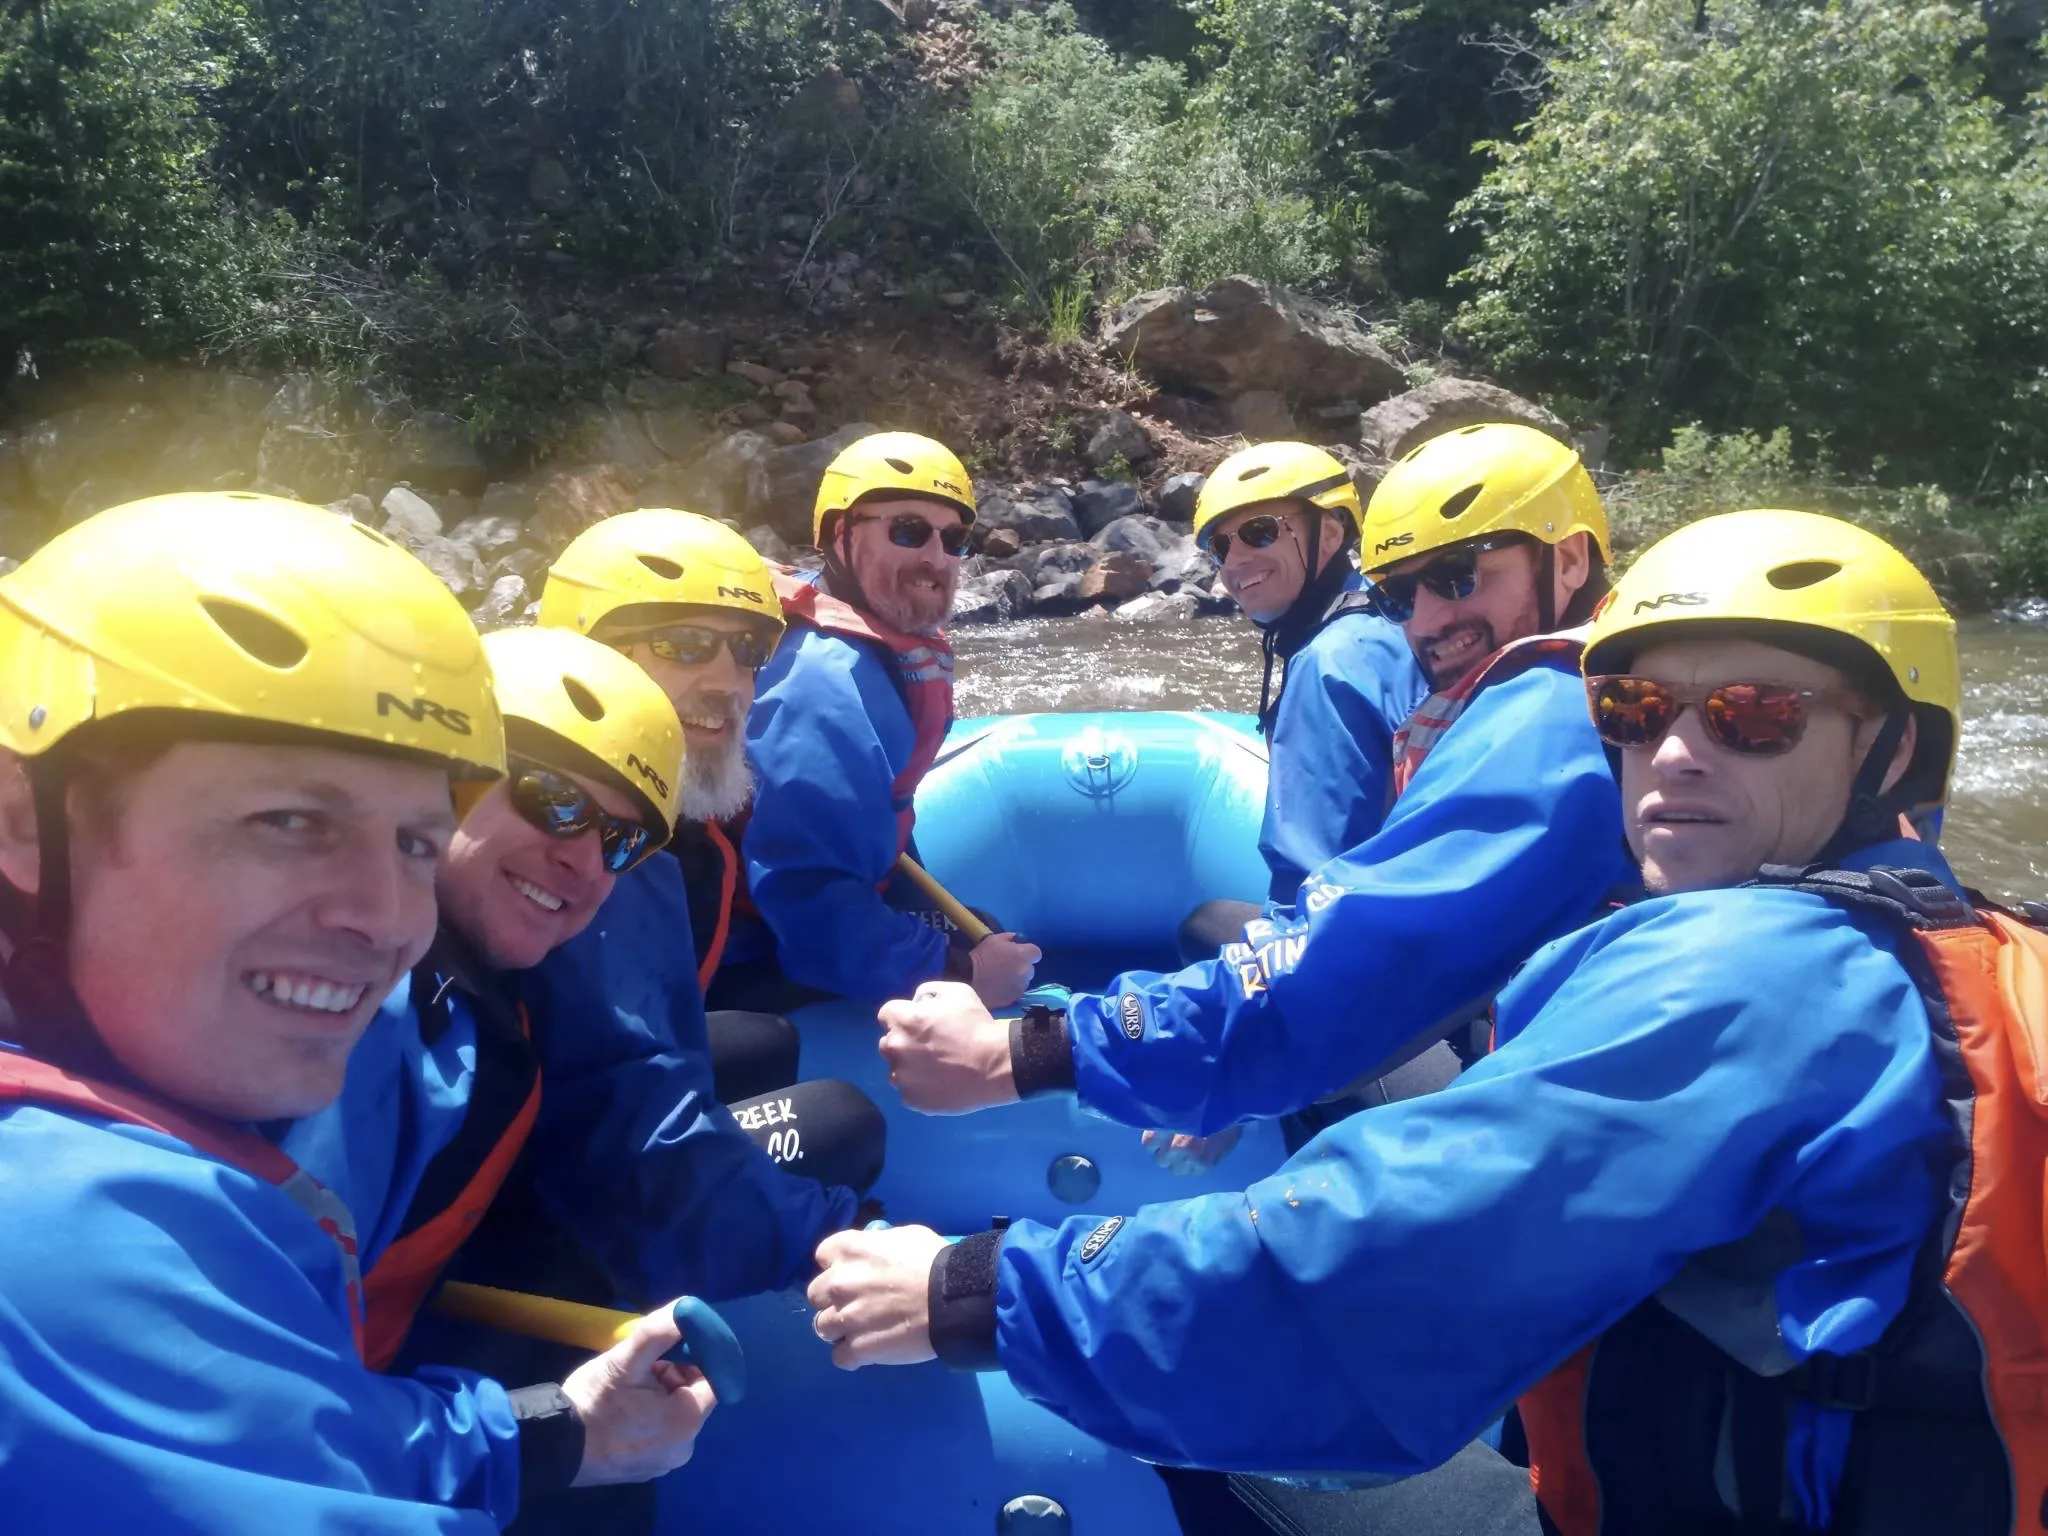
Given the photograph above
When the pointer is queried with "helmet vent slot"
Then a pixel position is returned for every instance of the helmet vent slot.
(258, 634)
(1802, 573)
(587, 703)
(1254, 472)
(1456, 506)
(901, 466)
(667, 570)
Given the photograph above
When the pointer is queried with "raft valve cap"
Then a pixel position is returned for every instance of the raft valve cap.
(1033, 1514)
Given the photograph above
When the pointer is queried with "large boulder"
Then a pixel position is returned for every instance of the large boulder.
(1242, 335)
(505, 601)
(571, 501)
(1395, 427)
(488, 534)
(1170, 553)
(1116, 576)
(1117, 435)
(1037, 516)
(1047, 561)
(435, 451)
(1161, 606)
(409, 518)
(1178, 496)
(993, 598)
(785, 490)
(456, 564)
(1099, 503)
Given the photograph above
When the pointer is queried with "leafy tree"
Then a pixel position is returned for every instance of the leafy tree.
(1757, 213)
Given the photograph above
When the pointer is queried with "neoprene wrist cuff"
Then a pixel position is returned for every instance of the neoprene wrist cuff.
(961, 1302)
(1041, 1055)
(550, 1439)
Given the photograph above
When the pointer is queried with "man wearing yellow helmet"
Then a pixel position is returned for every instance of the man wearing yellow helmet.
(1714, 1162)
(852, 712)
(236, 735)
(628, 1157)
(1505, 832)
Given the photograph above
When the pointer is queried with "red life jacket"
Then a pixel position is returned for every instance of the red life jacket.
(1440, 711)
(30, 1080)
(921, 664)
(466, 1175)
(1655, 1427)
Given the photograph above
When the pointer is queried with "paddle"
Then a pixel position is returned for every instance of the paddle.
(975, 929)
(708, 1343)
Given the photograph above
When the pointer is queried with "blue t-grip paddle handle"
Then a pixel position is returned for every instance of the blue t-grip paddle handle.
(711, 1347)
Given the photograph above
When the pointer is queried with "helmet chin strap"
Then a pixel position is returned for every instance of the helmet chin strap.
(1289, 631)
(1873, 814)
(839, 578)
(1546, 590)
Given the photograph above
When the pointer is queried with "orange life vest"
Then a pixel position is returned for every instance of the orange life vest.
(1950, 1409)
(29, 1080)
(921, 664)
(1440, 711)
(466, 1175)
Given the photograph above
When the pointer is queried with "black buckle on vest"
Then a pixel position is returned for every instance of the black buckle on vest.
(1844, 1382)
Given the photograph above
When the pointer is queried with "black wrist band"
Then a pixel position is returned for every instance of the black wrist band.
(550, 1438)
(960, 1303)
(1041, 1057)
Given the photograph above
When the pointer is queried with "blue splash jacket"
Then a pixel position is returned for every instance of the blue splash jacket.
(1666, 1078)
(827, 737)
(1509, 836)
(1332, 748)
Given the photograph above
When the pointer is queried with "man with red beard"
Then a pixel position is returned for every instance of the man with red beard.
(852, 711)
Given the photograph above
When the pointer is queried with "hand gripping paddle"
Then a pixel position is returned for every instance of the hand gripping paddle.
(708, 1344)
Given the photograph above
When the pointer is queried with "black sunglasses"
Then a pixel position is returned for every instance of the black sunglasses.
(693, 645)
(909, 531)
(1452, 576)
(556, 804)
(1254, 533)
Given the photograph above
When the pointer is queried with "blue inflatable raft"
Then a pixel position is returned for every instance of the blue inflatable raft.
(1093, 835)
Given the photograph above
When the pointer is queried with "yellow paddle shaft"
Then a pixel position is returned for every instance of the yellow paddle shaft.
(596, 1329)
(975, 929)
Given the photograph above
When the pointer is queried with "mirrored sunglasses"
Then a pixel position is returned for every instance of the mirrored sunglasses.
(1753, 719)
(556, 804)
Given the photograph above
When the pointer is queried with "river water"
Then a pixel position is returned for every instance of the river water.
(1997, 827)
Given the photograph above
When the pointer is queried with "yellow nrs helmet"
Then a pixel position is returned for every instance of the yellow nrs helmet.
(1277, 472)
(900, 462)
(1770, 570)
(1497, 477)
(623, 568)
(578, 706)
(252, 609)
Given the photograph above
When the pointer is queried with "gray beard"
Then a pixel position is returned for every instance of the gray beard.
(717, 788)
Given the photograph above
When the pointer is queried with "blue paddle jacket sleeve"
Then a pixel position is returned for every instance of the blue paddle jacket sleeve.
(827, 736)
(1668, 1078)
(632, 1152)
(1509, 836)
(1331, 777)
(178, 1359)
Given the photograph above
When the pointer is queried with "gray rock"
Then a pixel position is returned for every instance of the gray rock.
(734, 474)
(525, 562)
(435, 452)
(1041, 515)
(505, 601)
(1116, 576)
(456, 564)
(2027, 610)
(991, 599)
(1262, 415)
(300, 399)
(1242, 335)
(489, 536)
(1177, 497)
(315, 463)
(509, 498)
(410, 518)
(1117, 435)
(1101, 502)
(1061, 595)
(787, 489)
(676, 431)
(1171, 553)
(1160, 606)
(357, 508)
(768, 544)
(613, 434)
(1053, 560)
(683, 350)
(1395, 427)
